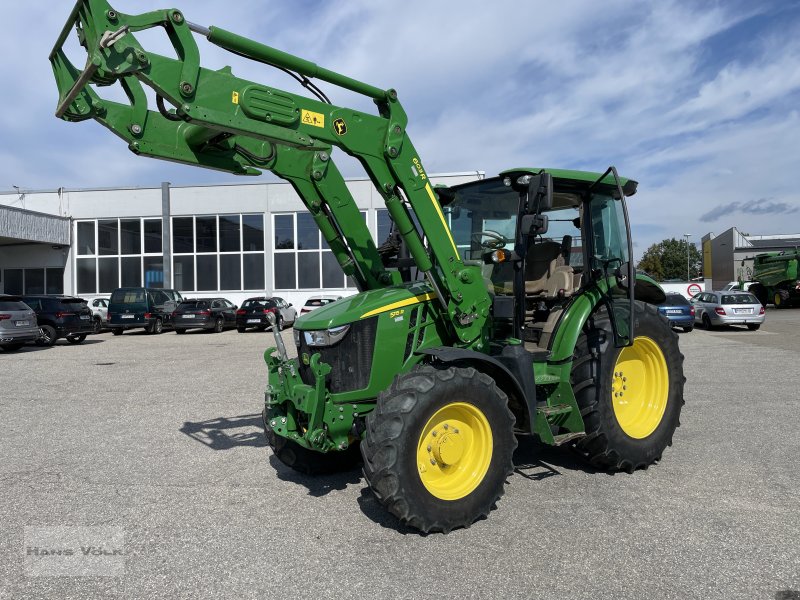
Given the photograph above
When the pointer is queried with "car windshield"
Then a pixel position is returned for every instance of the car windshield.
(128, 297)
(675, 300)
(319, 301)
(739, 299)
(13, 305)
(258, 304)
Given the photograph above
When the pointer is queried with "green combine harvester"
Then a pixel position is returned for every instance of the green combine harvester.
(502, 307)
(777, 278)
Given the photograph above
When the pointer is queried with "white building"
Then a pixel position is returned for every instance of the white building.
(235, 240)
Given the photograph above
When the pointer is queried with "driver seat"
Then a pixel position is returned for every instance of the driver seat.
(540, 264)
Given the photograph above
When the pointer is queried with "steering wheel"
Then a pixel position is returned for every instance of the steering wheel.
(496, 240)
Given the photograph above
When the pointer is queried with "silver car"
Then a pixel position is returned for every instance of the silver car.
(728, 308)
(99, 308)
(17, 323)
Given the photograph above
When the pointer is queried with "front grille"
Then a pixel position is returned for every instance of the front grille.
(350, 359)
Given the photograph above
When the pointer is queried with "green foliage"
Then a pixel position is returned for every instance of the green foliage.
(667, 260)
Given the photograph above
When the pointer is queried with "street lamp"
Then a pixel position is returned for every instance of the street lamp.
(687, 236)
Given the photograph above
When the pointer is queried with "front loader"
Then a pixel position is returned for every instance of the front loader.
(502, 307)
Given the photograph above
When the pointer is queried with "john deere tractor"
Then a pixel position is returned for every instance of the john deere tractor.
(503, 307)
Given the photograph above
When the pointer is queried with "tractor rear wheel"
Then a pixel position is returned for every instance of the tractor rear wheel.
(630, 398)
(438, 447)
(309, 462)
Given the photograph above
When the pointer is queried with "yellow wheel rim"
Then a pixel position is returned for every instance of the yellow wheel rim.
(778, 299)
(640, 388)
(454, 451)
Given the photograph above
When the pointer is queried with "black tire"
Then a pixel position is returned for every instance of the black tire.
(688, 329)
(279, 323)
(407, 416)
(156, 327)
(180, 330)
(760, 292)
(116, 331)
(97, 325)
(12, 347)
(781, 299)
(606, 444)
(309, 462)
(241, 329)
(48, 337)
(753, 326)
(76, 339)
(707, 322)
(219, 325)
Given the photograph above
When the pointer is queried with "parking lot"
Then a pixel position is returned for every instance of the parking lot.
(158, 439)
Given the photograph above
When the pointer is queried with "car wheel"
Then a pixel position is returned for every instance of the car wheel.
(687, 329)
(157, 327)
(240, 329)
(279, 323)
(76, 339)
(98, 325)
(116, 331)
(707, 322)
(753, 326)
(12, 347)
(48, 336)
(219, 325)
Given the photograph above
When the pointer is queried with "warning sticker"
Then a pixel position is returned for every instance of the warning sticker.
(312, 118)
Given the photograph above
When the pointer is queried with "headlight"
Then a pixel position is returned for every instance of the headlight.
(325, 337)
(296, 334)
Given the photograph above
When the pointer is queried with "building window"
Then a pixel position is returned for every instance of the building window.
(301, 258)
(116, 253)
(34, 281)
(218, 253)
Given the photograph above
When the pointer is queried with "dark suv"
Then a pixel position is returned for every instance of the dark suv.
(144, 308)
(61, 317)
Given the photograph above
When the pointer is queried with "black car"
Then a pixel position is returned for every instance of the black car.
(61, 317)
(213, 314)
(146, 308)
(254, 313)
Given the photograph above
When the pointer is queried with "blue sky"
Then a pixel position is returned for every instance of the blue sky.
(698, 101)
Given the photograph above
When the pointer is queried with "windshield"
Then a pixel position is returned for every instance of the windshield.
(484, 206)
(739, 299)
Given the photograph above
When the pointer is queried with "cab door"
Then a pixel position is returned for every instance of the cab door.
(611, 254)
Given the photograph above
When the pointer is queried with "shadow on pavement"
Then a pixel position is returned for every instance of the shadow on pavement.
(225, 433)
(317, 485)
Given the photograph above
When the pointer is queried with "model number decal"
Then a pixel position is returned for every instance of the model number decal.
(418, 170)
(314, 119)
(396, 313)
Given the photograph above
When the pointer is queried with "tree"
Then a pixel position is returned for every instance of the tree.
(667, 260)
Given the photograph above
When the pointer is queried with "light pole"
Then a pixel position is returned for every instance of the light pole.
(688, 276)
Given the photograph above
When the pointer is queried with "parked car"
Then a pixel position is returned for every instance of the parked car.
(316, 301)
(212, 314)
(254, 311)
(17, 323)
(99, 308)
(734, 286)
(728, 308)
(60, 317)
(143, 308)
(678, 310)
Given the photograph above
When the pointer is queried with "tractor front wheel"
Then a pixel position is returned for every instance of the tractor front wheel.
(438, 447)
(630, 398)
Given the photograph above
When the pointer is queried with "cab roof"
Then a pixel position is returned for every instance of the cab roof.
(577, 178)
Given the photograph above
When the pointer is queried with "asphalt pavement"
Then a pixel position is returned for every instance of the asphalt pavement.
(143, 456)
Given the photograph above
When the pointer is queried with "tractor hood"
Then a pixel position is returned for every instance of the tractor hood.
(364, 305)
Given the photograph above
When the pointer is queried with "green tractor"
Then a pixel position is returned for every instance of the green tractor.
(503, 307)
(776, 277)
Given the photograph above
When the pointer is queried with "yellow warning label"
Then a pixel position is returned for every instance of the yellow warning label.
(235, 98)
(312, 118)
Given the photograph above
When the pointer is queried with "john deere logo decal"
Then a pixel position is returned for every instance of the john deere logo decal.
(340, 126)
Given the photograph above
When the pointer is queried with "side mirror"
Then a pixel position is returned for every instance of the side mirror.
(540, 193)
(290, 305)
(534, 224)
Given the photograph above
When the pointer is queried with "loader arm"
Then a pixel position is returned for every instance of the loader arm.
(216, 120)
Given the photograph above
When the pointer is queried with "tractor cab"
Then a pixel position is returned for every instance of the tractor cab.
(540, 237)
